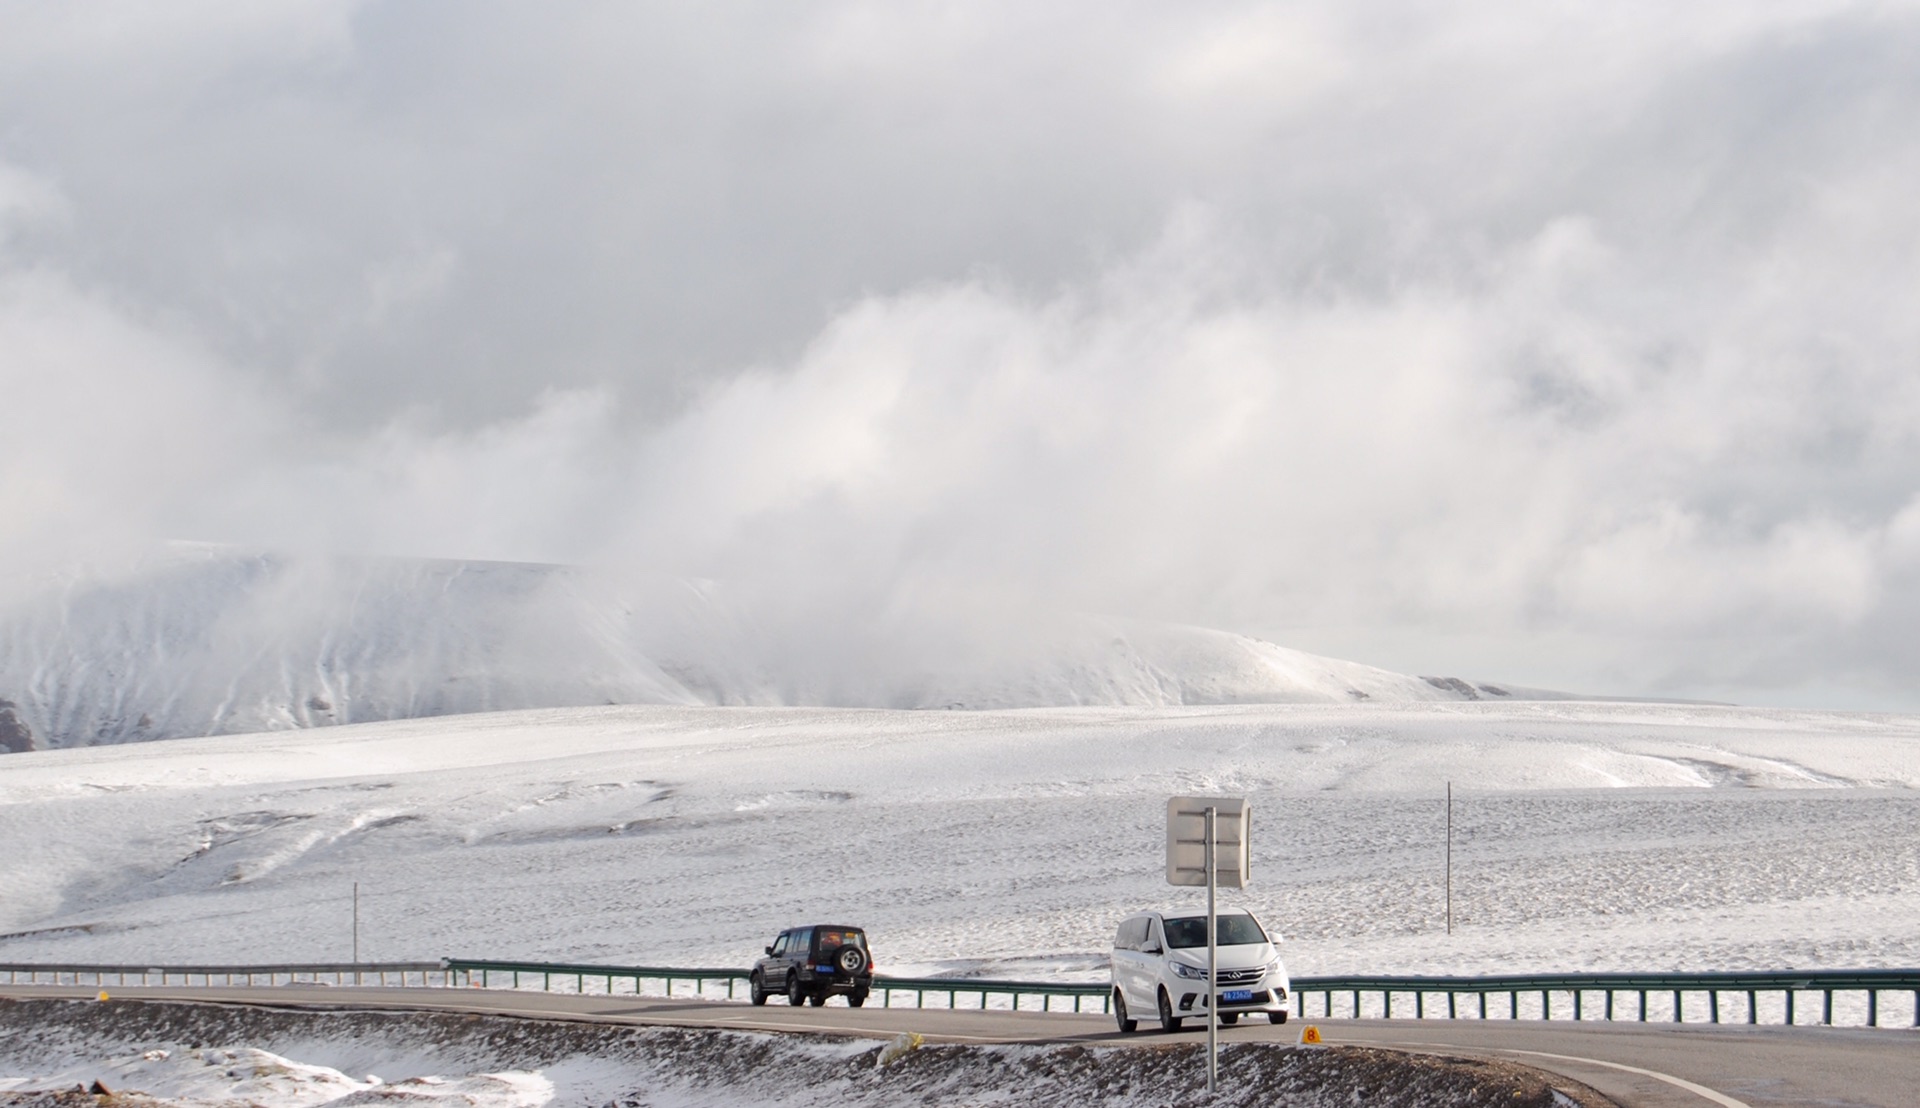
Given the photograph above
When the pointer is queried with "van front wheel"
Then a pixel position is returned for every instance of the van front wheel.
(1168, 1021)
(1127, 1024)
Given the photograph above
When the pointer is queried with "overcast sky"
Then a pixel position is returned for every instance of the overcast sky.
(1574, 345)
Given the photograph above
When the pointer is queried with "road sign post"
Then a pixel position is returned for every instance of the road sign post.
(1198, 828)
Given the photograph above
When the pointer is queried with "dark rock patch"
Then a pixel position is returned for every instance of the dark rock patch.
(1453, 685)
(15, 736)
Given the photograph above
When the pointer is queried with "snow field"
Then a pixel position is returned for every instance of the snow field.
(1595, 837)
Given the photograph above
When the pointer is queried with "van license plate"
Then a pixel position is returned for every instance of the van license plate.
(1237, 994)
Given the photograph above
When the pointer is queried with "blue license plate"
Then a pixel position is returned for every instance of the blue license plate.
(823, 969)
(1237, 994)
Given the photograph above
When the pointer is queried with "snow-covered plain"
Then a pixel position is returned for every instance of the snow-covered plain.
(1587, 836)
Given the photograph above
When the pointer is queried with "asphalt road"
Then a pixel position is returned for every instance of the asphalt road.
(1638, 1065)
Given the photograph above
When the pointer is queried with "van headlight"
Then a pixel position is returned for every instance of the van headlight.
(1191, 973)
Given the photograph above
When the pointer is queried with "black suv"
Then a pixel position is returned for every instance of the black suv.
(810, 964)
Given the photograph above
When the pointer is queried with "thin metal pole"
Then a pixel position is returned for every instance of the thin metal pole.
(356, 923)
(1449, 857)
(1213, 962)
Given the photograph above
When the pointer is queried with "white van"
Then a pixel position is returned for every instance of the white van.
(1160, 967)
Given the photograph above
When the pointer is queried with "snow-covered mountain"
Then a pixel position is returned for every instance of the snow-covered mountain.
(209, 640)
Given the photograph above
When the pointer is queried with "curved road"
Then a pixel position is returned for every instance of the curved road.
(1638, 1065)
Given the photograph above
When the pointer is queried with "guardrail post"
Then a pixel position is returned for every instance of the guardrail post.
(1576, 1005)
(1826, 1009)
(1546, 1005)
(1873, 1007)
(1679, 1013)
(1713, 1004)
(1753, 1006)
(1643, 1005)
(1419, 1004)
(1386, 1001)
(1451, 1012)
(1789, 995)
(1609, 1004)
(1356, 1003)
(1483, 1005)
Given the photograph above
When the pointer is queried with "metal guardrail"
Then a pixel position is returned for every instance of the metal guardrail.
(481, 974)
(430, 974)
(1748, 988)
(1576, 990)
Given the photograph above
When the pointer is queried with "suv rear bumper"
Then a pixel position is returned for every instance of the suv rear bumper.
(836, 982)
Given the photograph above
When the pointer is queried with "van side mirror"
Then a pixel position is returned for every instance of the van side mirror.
(1150, 948)
(769, 950)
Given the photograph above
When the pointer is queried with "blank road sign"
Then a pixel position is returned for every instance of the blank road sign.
(1187, 840)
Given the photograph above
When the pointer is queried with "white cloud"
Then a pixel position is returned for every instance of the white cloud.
(1585, 332)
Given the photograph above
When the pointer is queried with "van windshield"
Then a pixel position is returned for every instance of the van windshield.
(1191, 931)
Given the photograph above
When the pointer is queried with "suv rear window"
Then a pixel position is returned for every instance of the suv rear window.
(1191, 931)
(828, 939)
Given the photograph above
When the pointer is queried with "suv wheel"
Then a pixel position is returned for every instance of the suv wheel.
(796, 992)
(856, 998)
(818, 1000)
(1120, 1016)
(1168, 1021)
(756, 988)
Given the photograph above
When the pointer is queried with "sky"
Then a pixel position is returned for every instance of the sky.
(1571, 345)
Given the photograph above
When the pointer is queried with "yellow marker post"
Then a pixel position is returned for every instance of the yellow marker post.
(1309, 1035)
(103, 996)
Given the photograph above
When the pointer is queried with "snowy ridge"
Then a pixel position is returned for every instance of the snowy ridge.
(208, 640)
(195, 1056)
